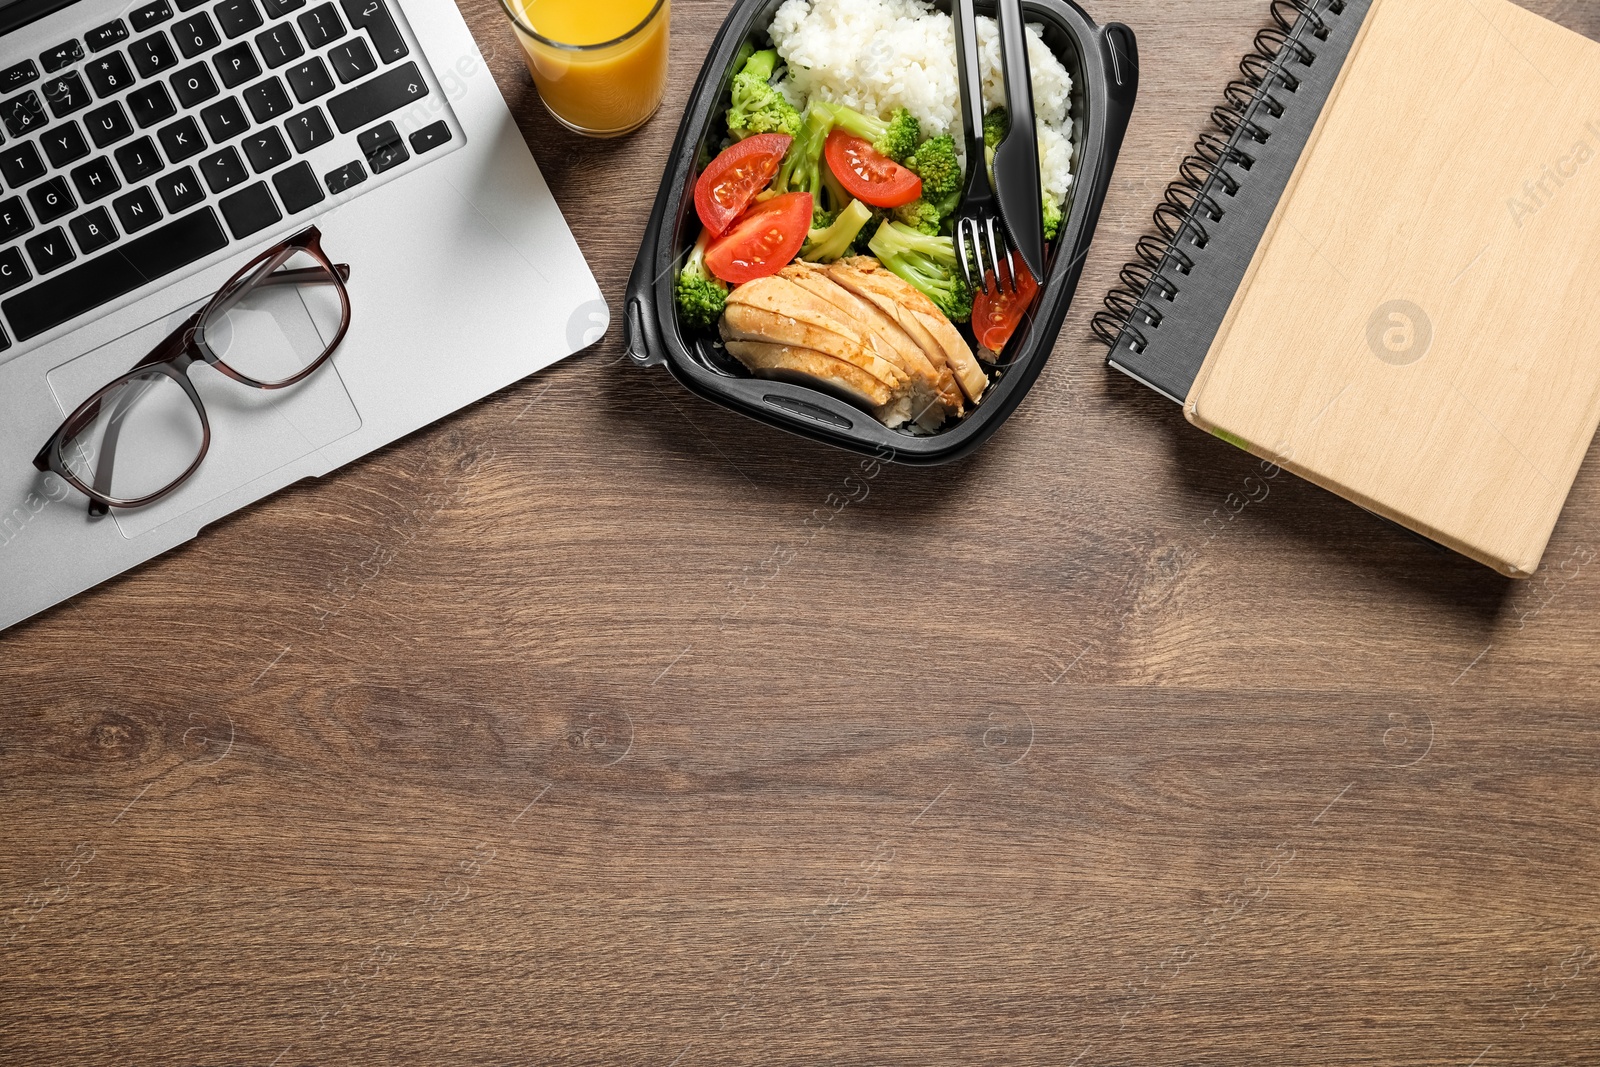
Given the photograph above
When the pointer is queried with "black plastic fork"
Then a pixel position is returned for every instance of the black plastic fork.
(980, 229)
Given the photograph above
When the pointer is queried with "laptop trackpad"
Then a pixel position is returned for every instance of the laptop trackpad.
(253, 431)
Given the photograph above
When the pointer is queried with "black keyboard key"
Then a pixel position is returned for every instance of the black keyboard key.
(236, 65)
(142, 18)
(371, 100)
(17, 75)
(372, 16)
(109, 74)
(189, 5)
(13, 270)
(180, 189)
(193, 85)
(95, 180)
(223, 170)
(150, 105)
(249, 210)
(308, 129)
(265, 149)
(181, 139)
(49, 251)
(20, 165)
(224, 119)
(62, 55)
(237, 17)
(135, 263)
(63, 144)
(93, 230)
(276, 9)
(195, 34)
(430, 137)
(51, 199)
(14, 221)
(267, 99)
(138, 160)
(309, 80)
(137, 210)
(102, 37)
(352, 60)
(107, 125)
(22, 114)
(383, 147)
(351, 173)
(66, 94)
(297, 188)
(153, 54)
(321, 25)
(279, 45)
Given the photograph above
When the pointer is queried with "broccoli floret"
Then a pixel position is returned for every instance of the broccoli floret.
(920, 216)
(927, 263)
(827, 245)
(821, 218)
(895, 137)
(758, 106)
(929, 216)
(995, 126)
(801, 171)
(936, 164)
(1052, 218)
(701, 297)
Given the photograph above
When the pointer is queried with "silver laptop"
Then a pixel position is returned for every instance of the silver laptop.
(151, 148)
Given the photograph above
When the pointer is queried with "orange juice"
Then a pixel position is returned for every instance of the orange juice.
(600, 65)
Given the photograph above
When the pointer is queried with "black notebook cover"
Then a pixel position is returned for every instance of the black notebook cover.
(1161, 321)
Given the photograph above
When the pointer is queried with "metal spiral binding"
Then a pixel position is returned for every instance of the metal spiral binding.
(1189, 204)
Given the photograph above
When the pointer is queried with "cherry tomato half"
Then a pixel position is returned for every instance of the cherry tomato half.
(996, 311)
(762, 241)
(867, 175)
(734, 178)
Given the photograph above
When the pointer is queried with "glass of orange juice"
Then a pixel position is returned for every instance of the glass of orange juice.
(600, 65)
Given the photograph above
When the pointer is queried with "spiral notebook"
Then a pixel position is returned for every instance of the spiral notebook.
(1380, 271)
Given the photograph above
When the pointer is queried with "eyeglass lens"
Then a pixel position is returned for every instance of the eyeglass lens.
(278, 320)
(144, 435)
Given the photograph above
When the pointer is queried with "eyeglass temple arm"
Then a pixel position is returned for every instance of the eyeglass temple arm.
(108, 448)
(297, 276)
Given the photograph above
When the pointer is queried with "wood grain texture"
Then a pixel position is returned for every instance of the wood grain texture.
(597, 725)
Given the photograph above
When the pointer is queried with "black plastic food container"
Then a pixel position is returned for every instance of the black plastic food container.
(1103, 63)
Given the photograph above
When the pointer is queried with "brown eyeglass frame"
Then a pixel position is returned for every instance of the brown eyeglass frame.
(186, 346)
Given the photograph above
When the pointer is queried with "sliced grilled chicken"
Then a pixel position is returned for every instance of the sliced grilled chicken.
(781, 296)
(917, 315)
(924, 403)
(742, 322)
(886, 301)
(778, 361)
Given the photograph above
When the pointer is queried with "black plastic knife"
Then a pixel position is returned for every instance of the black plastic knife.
(1016, 160)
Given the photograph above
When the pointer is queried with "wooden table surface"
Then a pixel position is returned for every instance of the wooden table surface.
(597, 725)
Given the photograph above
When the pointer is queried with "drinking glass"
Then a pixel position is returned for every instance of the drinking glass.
(600, 65)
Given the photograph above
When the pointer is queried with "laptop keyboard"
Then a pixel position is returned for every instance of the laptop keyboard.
(158, 139)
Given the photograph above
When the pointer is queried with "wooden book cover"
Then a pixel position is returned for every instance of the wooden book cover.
(1419, 331)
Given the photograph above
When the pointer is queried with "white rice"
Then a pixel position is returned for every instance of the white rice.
(879, 55)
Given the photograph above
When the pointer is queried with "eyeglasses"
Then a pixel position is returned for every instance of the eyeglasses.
(274, 324)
